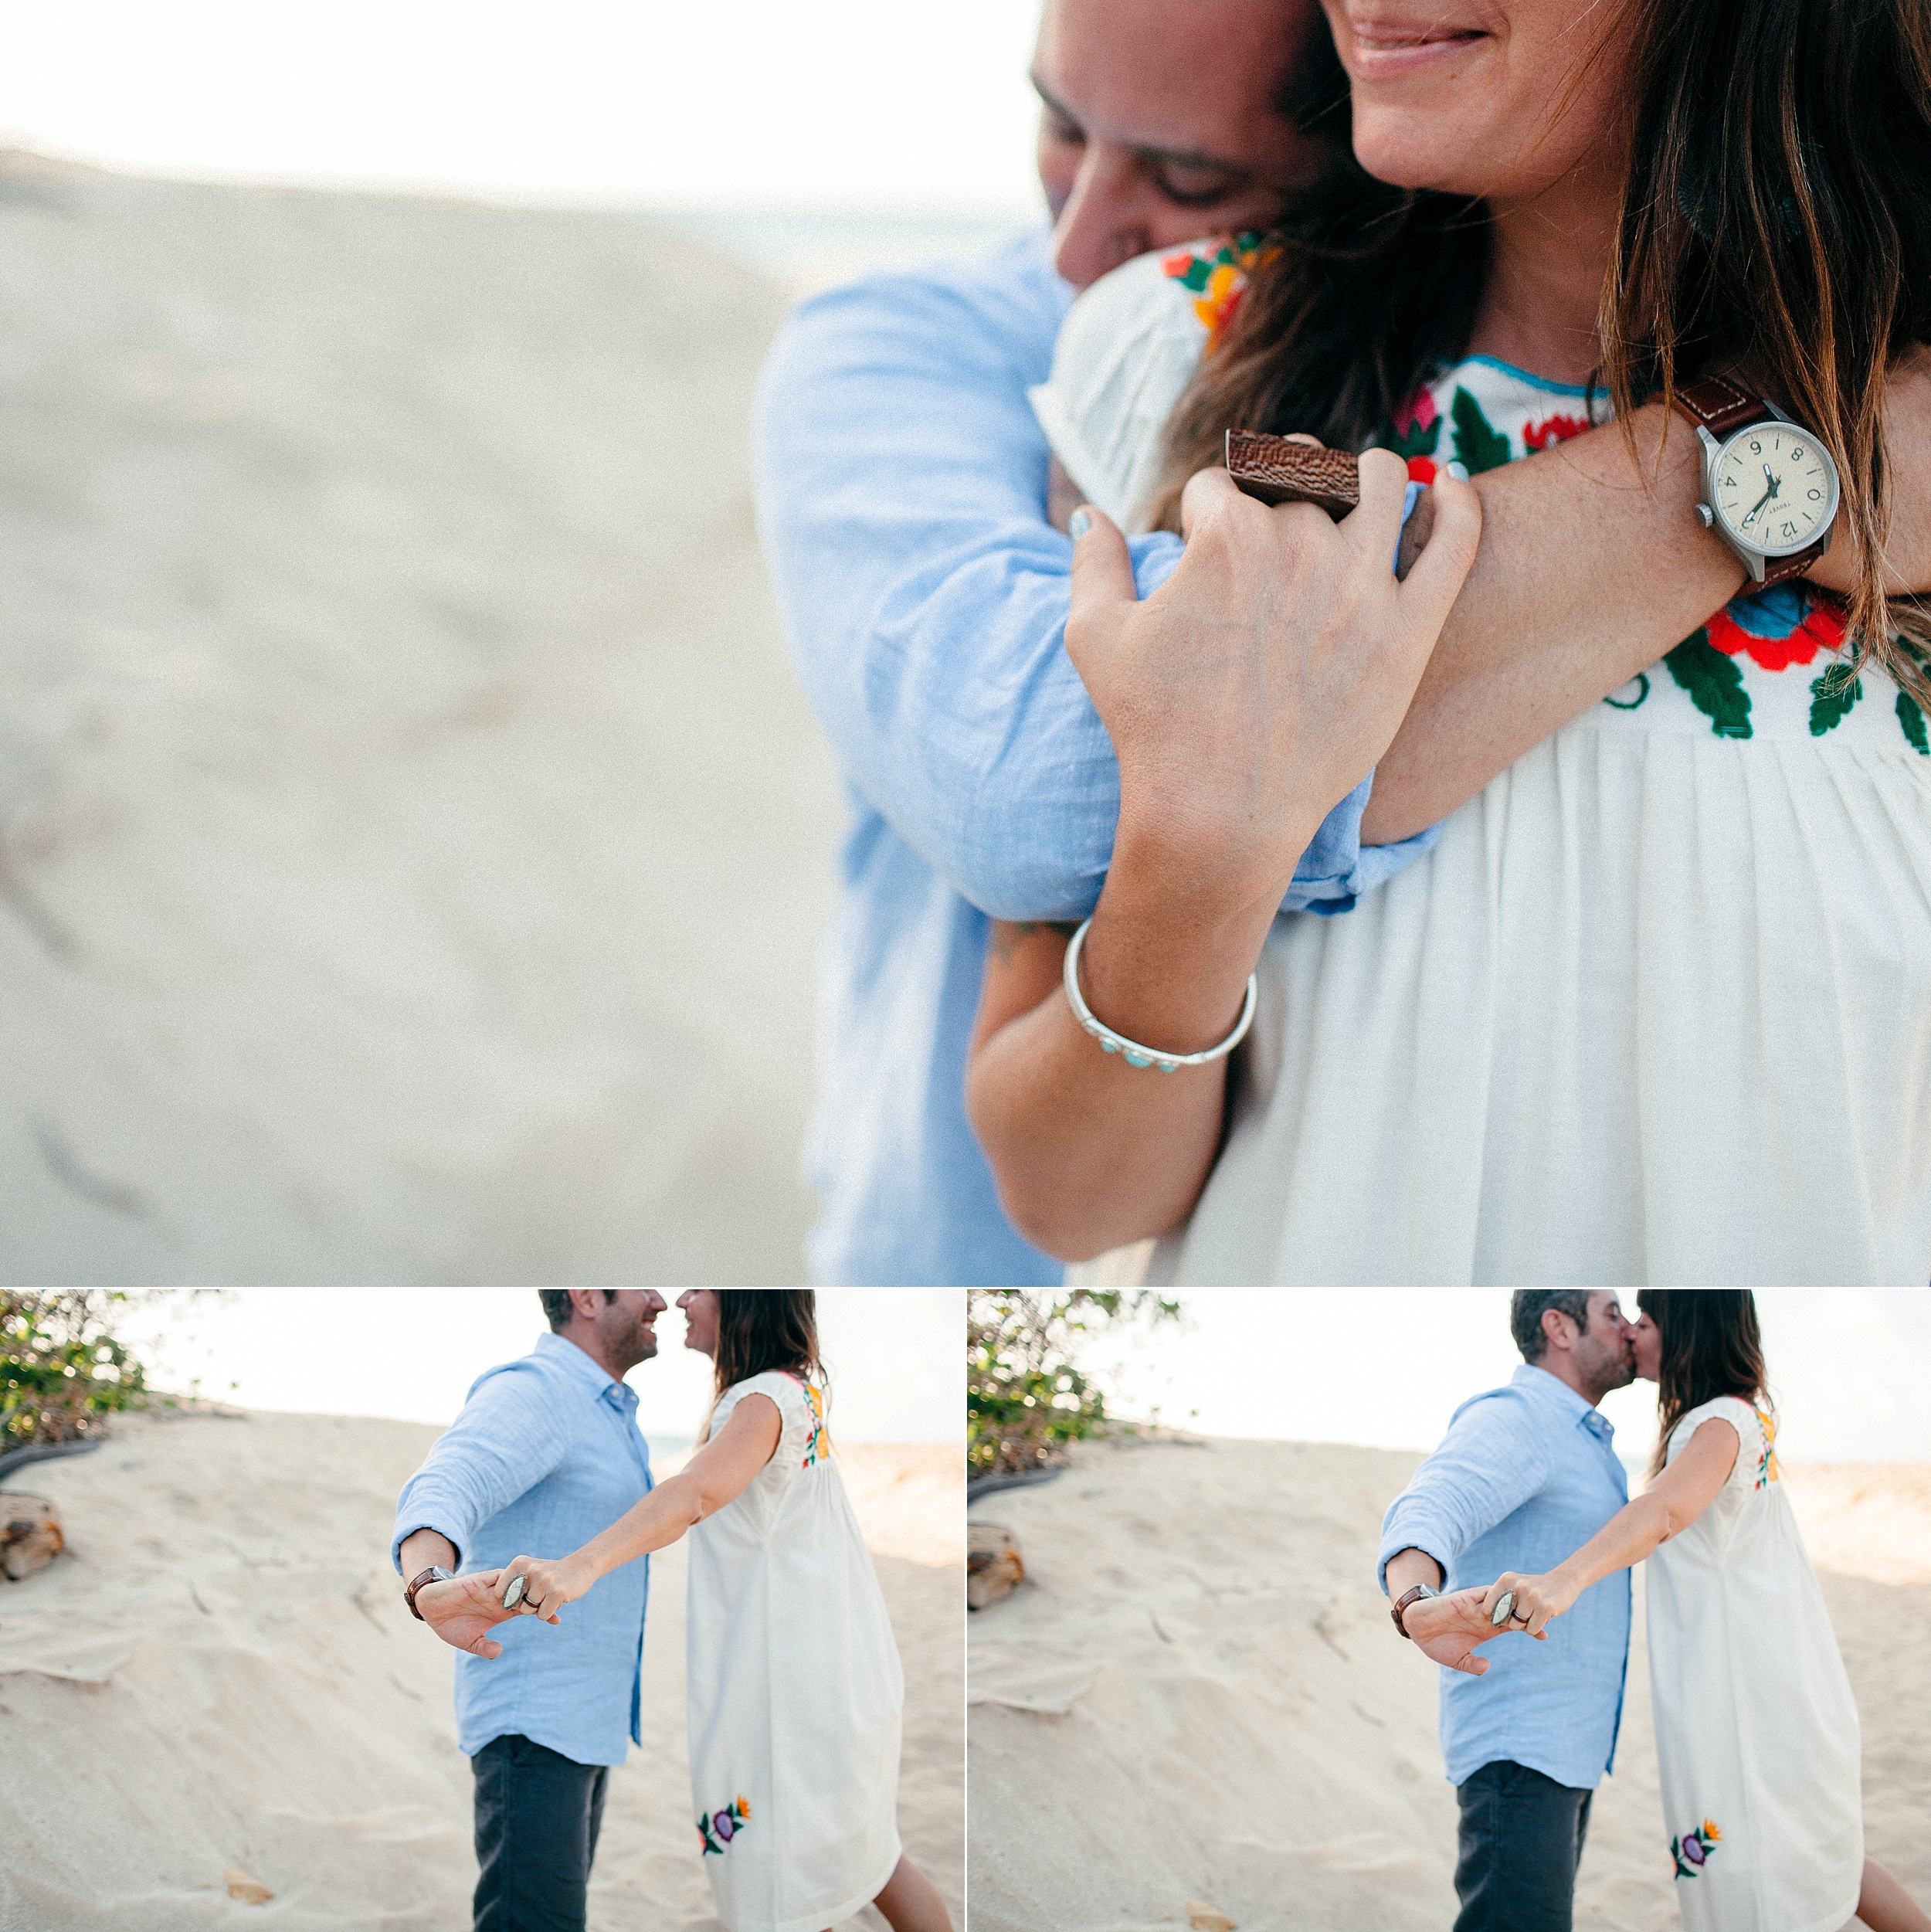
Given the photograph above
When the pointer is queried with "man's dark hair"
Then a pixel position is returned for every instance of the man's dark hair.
(556, 1305)
(1525, 1309)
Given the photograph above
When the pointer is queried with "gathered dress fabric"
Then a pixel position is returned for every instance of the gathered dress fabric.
(1756, 1729)
(794, 1691)
(1657, 1008)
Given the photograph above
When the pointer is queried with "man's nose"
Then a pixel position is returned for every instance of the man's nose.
(1104, 221)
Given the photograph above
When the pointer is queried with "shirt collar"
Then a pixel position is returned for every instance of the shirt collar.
(1540, 1382)
(573, 1361)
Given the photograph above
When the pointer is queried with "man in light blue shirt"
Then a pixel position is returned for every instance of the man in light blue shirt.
(545, 1454)
(901, 480)
(1526, 1475)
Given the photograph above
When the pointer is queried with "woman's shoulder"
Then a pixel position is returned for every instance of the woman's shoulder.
(786, 1390)
(1755, 1432)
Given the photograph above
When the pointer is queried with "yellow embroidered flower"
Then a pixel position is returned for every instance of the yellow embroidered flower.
(744, 1805)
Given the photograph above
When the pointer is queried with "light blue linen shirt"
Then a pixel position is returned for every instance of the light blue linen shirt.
(1525, 1476)
(545, 1454)
(901, 491)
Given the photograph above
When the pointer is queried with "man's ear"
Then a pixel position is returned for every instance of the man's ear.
(1556, 1329)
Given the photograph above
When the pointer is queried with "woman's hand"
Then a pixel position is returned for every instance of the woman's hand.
(1538, 1599)
(1257, 687)
(547, 1586)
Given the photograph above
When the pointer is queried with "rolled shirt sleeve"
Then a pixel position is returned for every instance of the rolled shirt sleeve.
(507, 1439)
(1492, 1461)
(901, 491)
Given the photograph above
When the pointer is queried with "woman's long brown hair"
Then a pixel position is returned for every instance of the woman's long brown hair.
(1776, 222)
(1711, 1347)
(763, 1329)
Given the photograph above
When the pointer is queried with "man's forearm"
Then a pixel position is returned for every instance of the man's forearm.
(1592, 566)
(1411, 1566)
(422, 1549)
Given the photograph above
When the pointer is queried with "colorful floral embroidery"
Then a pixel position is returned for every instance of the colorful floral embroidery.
(1479, 445)
(1778, 627)
(720, 1827)
(1553, 430)
(1767, 1471)
(1693, 1848)
(1220, 280)
(1416, 431)
(820, 1446)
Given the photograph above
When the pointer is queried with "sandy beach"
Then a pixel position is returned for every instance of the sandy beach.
(220, 1674)
(1196, 1697)
(413, 845)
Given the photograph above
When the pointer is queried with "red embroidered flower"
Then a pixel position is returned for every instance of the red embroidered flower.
(1418, 412)
(1821, 629)
(1421, 469)
(1555, 429)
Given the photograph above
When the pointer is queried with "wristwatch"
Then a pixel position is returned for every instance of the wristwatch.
(1770, 487)
(435, 1574)
(1407, 1597)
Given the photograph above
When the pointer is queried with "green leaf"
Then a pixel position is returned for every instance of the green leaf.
(1911, 716)
(1418, 441)
(1831, 697)
(1478, 445)
(1197, 272)
(1714, 682)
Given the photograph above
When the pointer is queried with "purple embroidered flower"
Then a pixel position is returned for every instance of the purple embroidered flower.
(726, 1826)
(1693, 1849)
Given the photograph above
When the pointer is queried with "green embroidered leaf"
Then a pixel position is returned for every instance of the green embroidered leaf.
(1198, 269)
(1714, 682)
(1831, 697)
(1911, 716)
(1418, 441)
(1479, 446)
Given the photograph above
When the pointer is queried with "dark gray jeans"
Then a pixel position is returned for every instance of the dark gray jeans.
(1519, 1842)
(538, 1814)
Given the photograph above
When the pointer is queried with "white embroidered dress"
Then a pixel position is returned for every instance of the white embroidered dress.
(794, 1691)
(1757, 1730)
(1657, 1007)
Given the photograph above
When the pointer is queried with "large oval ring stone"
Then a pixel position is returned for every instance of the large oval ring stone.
(1505, 1608)
(514, 1595)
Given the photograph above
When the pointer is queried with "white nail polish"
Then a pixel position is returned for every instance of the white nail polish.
(1458, 472)
(1078, 523)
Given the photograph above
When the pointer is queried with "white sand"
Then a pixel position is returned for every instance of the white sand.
(413, 845)
(1202, 1669)
(221, 1673)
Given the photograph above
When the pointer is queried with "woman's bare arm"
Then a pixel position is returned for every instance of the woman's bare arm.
(1666, 1509)
(1592, 563)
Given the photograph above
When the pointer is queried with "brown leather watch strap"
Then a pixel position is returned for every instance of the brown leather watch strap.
(1720, 405)
(408, 1594)
(1404, 1600)
(1277, 470)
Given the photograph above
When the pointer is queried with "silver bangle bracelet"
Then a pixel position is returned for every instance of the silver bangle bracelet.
(1135, 1054)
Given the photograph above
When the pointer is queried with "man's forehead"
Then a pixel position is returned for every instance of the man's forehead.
(1198, 78)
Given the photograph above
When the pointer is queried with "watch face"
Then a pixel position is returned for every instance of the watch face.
(1775, 487)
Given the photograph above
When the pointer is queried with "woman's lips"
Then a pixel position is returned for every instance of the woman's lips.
(1383, 51)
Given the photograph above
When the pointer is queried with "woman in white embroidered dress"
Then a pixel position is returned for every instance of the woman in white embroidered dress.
(1757, 1730)
(792, 1685)
(1658, 1006)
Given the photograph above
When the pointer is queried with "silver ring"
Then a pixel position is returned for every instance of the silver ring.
(1504, 1611)
(513, 1594)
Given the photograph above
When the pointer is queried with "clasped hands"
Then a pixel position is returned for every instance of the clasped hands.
(463, 1611)
(1449, 1628)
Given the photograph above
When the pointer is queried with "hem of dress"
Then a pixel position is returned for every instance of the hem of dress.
(1832, 1921)
(816, 1921)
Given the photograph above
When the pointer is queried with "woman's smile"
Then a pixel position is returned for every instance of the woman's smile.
(1376, 48)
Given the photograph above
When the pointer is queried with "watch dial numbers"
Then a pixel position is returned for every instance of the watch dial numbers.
(1773, 488)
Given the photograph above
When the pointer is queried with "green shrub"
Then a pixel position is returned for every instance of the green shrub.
(63, 1371)
(1026, 1396)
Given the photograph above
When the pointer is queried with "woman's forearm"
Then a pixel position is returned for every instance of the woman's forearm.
(655, 1522)
(1089, 1152)
(1593, 565)
(1636, 1530)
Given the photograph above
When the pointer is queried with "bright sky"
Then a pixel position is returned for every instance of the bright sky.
(901, 104)
(1848, 1367)
(896, 1355)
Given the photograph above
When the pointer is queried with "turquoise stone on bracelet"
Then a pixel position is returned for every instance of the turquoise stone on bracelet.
(1138, 1060)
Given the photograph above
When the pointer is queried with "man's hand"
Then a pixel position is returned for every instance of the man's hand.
(463, 1610)
(1448, 1628)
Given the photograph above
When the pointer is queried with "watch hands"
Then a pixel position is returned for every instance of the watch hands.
(1769, 496)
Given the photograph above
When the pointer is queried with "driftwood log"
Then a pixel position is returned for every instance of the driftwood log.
(993, 1565)
(30, 1536)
